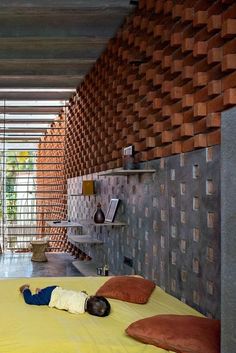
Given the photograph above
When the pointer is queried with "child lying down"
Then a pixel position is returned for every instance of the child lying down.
(72, 301)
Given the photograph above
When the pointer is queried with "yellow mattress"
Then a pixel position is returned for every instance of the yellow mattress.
(40, 329)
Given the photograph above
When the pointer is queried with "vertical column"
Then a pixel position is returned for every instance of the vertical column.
(228, 231)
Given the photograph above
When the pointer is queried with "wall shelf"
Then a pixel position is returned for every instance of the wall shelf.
(106, 224)
(87, 268)
(126, 172)
(70, 195)
(83, 239)
(64, 224)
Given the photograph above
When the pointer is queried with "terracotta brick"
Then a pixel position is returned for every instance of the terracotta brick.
(188, 145)
(166, 86)
(137, 21)
(166, 150)
(188, 100)
(200, 141)
(157, 56)
(166, 136)
(176, 93)
(213, 138)
(177, 11)
(200, 48)
(159, 7)
(166, 61)
(157, 103)
(150, 27)
(168, 6)
(213, 120)
(149, 50)
(229, 62)
(187, 44)
(150, 73)
(176, 147)
(176, 39)
(144, 23)
(165, 37)
(188, 72)
(187, 14)
(143, 112)
(166, 110)
(151, 95)
(150, 142)
(150, 4)
(199, 109)
(130, 119)
(214, 55)
(229, 81)
(176, 66)
(200, 18)
(186, 129)
(158, 30)
(199, 126)
(200, 79)
(143, 90)
(230, 96)
(177, 119)
(141, 4)
(158, 79)
(214, 87)
(214, 23)
(131, 99)
(157, 127)
(229, 28)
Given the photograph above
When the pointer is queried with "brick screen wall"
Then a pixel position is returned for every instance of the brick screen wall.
(51, 183)
(160, 85)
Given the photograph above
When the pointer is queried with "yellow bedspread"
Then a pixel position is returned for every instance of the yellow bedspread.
(40, 329)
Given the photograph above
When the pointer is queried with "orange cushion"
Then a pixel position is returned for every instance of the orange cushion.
(127, 288)
(178, 333)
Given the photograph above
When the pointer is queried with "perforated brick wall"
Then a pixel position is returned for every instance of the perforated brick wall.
(51, 184)
(160, 85)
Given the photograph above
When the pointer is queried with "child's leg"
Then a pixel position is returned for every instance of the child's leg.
(42, 298)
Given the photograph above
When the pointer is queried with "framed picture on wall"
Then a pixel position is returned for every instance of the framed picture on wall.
(111, 211)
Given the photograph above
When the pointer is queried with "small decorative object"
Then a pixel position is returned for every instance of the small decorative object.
(87, 187)
(106, 270)
(99, 271)
(128, 158)
(99, 216)
(110, 215)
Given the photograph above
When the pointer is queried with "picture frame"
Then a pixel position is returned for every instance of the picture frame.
(111, 211)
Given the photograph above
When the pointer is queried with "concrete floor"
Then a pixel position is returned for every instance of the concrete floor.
(20, 265)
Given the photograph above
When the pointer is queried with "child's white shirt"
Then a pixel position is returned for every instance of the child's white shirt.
(69, 300)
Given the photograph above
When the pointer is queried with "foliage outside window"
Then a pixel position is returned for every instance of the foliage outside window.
(15, 162)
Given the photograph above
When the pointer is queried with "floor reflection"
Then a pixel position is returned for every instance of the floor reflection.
(20, 265)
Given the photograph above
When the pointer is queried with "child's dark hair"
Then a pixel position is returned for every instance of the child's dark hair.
(98, 306)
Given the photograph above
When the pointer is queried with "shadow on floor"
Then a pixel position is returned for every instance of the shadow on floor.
(20, 265)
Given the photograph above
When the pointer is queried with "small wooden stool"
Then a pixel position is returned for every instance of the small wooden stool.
(38, 249)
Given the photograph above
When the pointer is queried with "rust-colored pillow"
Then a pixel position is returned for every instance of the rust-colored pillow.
(178, 333)
(127, 288)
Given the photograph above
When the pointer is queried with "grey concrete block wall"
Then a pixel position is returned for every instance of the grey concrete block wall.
(228, 231)
(173, 225)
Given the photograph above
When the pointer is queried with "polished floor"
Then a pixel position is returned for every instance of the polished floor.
(20, 265)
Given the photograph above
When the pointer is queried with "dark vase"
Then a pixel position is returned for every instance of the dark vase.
(99, 216)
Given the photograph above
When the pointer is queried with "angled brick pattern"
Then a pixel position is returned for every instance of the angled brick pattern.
(160, 85)
(52, 183)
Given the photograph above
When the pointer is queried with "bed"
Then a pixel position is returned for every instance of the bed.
(33, 329)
